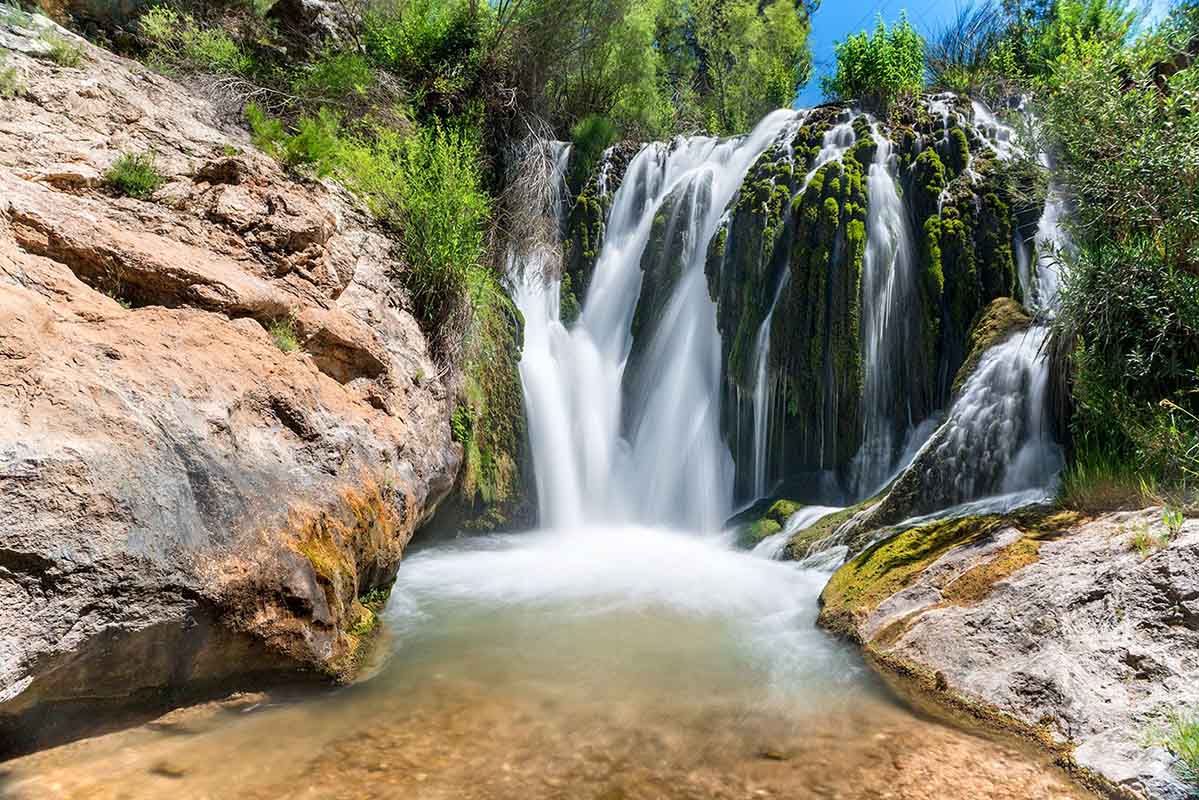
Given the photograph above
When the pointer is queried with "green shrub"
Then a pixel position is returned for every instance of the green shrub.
(591, 137)
(879, 69)
(62, 52)
(436, 46)
(1130, 286)
(179, 41)
(335, 75)
(134, 175)
(1135, 324)
(314, 145)
(443, 215)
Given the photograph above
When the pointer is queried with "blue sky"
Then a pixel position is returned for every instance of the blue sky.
(835, 19)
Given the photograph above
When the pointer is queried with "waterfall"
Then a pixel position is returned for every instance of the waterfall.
(998, 438)
(626, 425)
(652, 453)
(837, 141)
(890, 326)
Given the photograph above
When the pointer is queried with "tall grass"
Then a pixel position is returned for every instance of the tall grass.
(1098, 480)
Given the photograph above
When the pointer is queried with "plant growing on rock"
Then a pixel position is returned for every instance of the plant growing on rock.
(62, 52)
(1144, 542)
(1172, 518)
(134, 175)
(881, 68)
(283, 331)
(10, 80)
(178, 41)
(1181, 738)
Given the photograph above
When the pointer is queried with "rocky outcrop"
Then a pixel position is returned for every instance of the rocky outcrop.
(219, 423)
(1052, 626)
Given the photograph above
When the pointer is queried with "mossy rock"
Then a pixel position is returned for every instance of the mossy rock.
(770, 523)
(891, 565)
(999, 320)
(782, 510)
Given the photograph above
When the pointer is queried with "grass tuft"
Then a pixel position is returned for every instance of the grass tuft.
(1096, 482)
(63, 52)
(1181, 738)
(283, 331)
(134, 175)
(10, 81)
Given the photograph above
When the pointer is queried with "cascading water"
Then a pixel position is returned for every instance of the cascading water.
(662, 459)
(891, 354)
(998, 438)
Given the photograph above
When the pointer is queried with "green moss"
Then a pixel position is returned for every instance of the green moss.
(996, 323)
(489, 419)
(568, 305)
(764, 527)
(959, 150)
(889, 566)
(782, 510)
(858, 587)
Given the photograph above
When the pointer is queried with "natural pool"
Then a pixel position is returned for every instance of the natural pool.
(596, 663)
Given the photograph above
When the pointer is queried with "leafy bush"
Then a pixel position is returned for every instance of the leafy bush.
(591, 137)
(179, 41)
(435, 45)
(62, 52)
(335, 75)
(1071, 24)
(314, 145)
(1125, 144)
(879, 69)
(134, 175)
(443, 211)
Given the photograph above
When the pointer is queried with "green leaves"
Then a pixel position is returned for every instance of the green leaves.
(880, 68)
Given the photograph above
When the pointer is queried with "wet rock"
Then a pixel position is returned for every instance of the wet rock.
(1055, 628)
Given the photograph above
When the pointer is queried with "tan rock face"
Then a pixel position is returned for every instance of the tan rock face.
(180, 500)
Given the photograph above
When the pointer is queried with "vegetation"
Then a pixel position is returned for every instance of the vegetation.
(1144, 542)
(177, 41)
(1181, 738)
(881, 68)
(62, 52)
(134, 175)
(1125, 135)
(283, 331)
(10, 81)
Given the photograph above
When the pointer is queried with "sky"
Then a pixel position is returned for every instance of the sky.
(835, 19)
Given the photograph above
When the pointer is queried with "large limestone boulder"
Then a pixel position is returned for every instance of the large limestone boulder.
(1051, 626)
(183, 504)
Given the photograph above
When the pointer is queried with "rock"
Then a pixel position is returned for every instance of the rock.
(1051, 626)
(182, 505)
